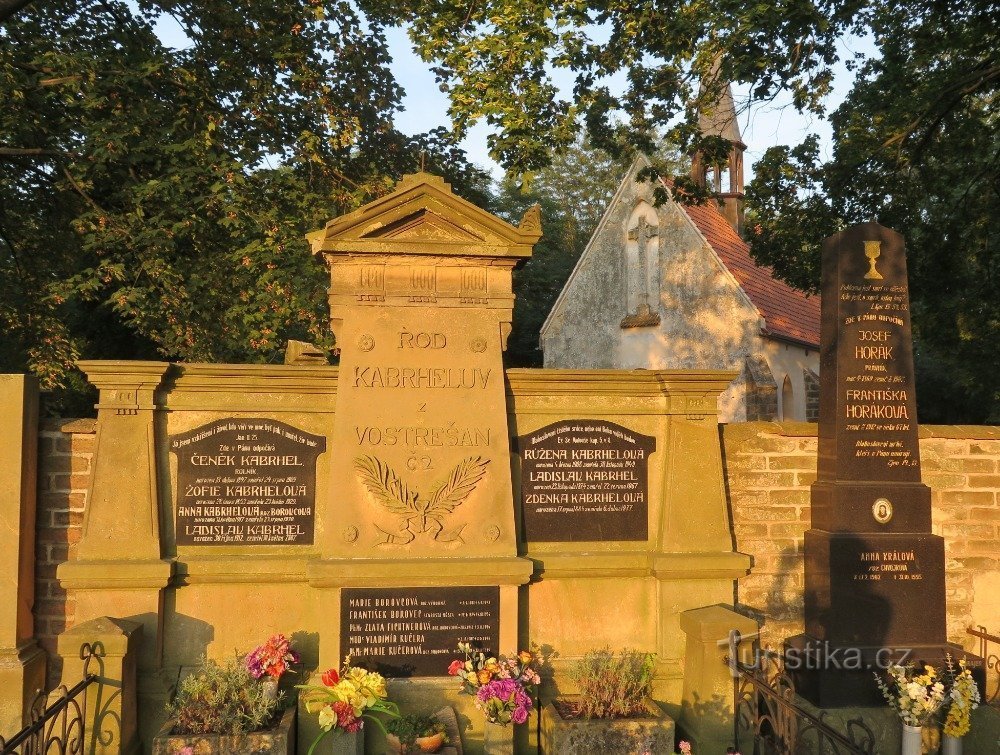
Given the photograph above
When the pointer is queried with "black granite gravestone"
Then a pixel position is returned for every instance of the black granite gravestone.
(874, 573)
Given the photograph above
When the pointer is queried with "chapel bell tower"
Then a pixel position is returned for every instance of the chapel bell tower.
(726, 179)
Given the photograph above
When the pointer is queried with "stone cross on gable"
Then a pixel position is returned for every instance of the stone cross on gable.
(642, 233)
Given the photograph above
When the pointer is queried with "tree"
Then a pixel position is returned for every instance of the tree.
(153, 201)
(496, 61)
(916, 141)
(916, 148)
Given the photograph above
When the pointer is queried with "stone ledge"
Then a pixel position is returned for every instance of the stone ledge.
(662, 566)
(114, 575)
(231, 569)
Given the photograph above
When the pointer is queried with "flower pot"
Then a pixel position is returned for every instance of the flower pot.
(912, 740)
(270, 686)
(497, 739)
(279, 740)
(432, 743)
(951, 745)
(342, 743)
(652, 732)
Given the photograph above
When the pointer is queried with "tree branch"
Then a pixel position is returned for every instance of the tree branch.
(9, 7)
(81, 192)
(32, 151)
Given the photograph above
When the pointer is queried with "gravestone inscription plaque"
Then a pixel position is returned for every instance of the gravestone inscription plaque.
(246, 482)
(874, 572)
(584, 480)
(414, 631)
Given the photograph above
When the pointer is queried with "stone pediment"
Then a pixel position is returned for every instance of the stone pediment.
(423, 216)
(424, 225)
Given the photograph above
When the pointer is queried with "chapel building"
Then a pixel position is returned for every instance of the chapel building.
(675, 287)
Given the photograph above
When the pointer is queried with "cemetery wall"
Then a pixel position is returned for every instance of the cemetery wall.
(769, 468)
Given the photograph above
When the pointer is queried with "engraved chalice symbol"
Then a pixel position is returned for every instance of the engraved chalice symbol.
(872, 252)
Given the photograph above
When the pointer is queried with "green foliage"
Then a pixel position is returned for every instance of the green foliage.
(495, 59)
(222, 699)
(153, 201)
(915, 148)
(409, 727)
(613, 685)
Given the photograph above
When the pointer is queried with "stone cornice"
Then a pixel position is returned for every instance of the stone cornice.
(419, 572)
(253, 378)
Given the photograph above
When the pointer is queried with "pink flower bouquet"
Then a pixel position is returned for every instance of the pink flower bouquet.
(503, 686)
(272, 659)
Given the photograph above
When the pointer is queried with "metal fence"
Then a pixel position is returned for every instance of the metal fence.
(770, 719)
(56, 720)
(989, 651)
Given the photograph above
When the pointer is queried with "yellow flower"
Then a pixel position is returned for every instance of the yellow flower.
(484, 676)
(327, 718)
(524, 656)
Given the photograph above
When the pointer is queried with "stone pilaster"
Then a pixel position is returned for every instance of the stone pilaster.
(119, 568)
(22, 662)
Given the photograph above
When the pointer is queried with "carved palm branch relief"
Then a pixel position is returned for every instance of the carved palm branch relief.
(419, 514)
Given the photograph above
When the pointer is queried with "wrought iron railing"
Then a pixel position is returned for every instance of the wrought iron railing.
(56, 720)
(769, 718)
(989, 651)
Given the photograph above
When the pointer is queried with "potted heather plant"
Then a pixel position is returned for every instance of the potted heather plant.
(343, 701)
(613, 712)
(503, 688)
(222, 709)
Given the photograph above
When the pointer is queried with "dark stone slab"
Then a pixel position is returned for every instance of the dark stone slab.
(875, 589)
(874, 572)
(868, 439)
(414, 631)
(585, 480)
(246, 481)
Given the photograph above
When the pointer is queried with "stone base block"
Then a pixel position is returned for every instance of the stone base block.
(277, 741)
(652, 733)
(22, 675)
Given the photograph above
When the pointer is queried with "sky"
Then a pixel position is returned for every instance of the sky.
(763, 126)
(426, 107)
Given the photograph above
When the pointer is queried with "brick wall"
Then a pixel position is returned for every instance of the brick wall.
(65, 450)
(769, 468)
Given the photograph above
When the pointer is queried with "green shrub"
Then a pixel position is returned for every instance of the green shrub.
(613, 686)
(222, 699)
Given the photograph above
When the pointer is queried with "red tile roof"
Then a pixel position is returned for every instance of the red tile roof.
(787, 312)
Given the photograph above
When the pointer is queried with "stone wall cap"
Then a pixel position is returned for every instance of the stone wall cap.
(811, 430)
(70, 426)
(653, 382)
(105, 625)
(713, 623)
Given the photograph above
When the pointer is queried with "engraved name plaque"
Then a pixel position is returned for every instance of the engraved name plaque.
(414, 631)
(585, 480)
(246, 482)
